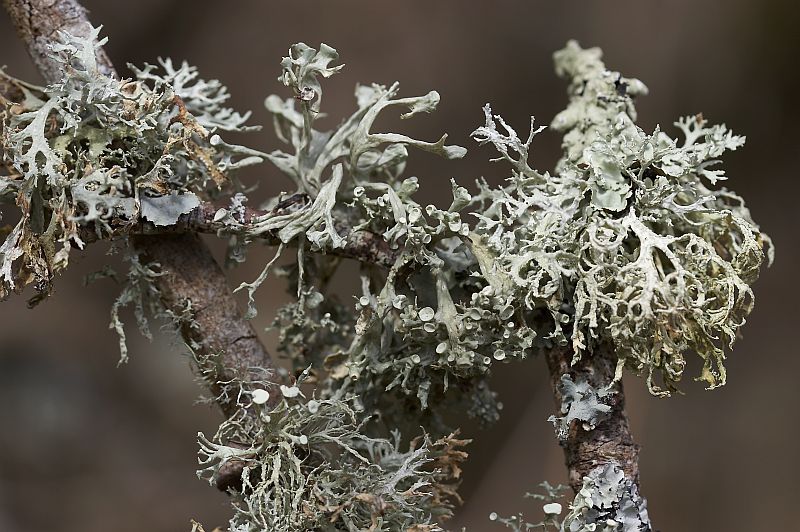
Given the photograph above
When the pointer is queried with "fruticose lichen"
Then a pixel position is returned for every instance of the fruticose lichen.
(309, 465)
(628, 243)
(91, 152)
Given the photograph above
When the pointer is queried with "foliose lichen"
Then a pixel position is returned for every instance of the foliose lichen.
(582, 403)
(607, 502)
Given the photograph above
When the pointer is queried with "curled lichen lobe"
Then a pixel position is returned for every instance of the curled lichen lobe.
(630, 241)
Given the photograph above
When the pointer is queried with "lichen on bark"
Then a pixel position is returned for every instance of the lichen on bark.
(628, 256)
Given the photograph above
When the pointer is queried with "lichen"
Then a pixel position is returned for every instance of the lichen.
(308, 465)
(657, 262)
(551, 510)
(607, 502)
(582, 403)
(628, 243)
(91, 152)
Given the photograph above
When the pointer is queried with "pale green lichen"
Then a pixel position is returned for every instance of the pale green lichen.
(90, 151)
(582, 403)
(393, 345)
(308, 465)
(608, 501)
(629, 243)
(140, 292)
(657, 263)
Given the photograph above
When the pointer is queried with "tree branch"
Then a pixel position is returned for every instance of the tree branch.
(363, 246)
(611, 440)
(38, 23)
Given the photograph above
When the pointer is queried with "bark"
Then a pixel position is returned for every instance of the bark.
(610, 441)
(226, 345)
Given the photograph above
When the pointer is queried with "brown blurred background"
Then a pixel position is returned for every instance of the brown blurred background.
(86, 446)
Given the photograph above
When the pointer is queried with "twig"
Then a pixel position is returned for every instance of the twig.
(363, 246)
(611, 440)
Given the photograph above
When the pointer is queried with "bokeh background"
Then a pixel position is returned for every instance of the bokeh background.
(88, 446)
